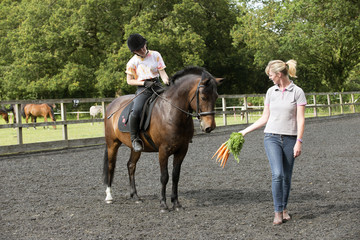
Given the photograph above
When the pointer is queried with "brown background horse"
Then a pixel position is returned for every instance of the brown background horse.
(38, 110)
(171, 128)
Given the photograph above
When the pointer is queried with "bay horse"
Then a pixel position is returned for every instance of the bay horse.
(4, 114)
(38, 110)
(171, 128)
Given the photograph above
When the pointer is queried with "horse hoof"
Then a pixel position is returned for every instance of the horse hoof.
(109, 201)
(164, 210)
(178, 209)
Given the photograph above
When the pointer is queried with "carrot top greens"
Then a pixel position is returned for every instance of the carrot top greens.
(235, 144)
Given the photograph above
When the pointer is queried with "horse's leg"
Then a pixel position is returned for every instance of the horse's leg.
(178, 159)
(33, 120)
(109, 167)
(164, 178)
(131, 165)
(27, 120)
(45, 120)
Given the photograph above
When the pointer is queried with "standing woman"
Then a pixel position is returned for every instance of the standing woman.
(284, 116)
(143, 70)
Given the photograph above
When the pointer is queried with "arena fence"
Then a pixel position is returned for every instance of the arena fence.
(319, 105)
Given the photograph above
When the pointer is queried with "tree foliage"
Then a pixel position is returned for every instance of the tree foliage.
(66, 49)
(323, 36)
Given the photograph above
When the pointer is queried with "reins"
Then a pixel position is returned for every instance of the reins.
(197, 114)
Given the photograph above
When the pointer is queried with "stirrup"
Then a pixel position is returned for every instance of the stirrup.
(137, 145)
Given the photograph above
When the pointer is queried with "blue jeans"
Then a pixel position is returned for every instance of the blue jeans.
(280, 152)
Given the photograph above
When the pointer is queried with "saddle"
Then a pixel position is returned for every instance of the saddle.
(145, 114)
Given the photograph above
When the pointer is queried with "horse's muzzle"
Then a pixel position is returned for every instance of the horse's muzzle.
(207, 125)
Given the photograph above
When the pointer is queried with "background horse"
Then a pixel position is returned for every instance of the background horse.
(95, 110)
(4, 113)
(38, 110)
(171, 128)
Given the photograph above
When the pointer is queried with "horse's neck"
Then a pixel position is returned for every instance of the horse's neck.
(180, 97)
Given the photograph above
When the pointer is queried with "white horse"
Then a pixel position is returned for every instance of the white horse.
(95, 110)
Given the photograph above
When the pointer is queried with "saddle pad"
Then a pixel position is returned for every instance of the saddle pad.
(124, 118)
(145, 115)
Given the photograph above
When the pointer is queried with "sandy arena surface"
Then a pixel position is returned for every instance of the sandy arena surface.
(60, 195)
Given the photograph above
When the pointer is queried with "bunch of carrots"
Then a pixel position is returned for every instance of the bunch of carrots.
(233, 145)
(223, 154)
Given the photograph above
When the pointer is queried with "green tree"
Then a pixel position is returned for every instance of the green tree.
(185, 32)
(323, 36)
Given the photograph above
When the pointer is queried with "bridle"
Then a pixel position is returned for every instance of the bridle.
(198, 114)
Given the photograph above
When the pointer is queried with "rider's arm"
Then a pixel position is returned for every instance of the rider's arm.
(164, 76)
(131, 80)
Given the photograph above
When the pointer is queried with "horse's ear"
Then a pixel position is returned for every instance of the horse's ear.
(219, 80)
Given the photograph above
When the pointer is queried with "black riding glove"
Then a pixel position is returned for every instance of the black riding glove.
(148, 83)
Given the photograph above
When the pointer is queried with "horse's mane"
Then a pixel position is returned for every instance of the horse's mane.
(189, 70)
(50, 106)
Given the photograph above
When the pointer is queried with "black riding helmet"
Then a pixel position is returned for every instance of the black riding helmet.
(136, 42)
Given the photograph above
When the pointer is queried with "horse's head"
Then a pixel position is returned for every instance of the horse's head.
(204, 101)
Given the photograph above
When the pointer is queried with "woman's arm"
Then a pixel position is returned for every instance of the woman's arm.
(300, 118)
(259, 123)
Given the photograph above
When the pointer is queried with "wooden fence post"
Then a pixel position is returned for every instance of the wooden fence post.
(246, 110)
(63, 118)
(223, 101)
(329, 102)
(18, 121)
(341, 104)
(315, 108)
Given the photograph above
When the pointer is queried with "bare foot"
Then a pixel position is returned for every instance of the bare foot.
(278, 219)
(286, 215)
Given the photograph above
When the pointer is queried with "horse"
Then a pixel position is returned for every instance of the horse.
(4, 113)
(95, 110)
(170, 131)
(38, 110)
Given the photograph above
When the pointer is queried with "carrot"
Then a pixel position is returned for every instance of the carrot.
(220, 148)
(221, 153)
(223, 157)
(226, 158)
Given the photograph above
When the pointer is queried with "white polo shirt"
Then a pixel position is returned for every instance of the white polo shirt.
(283, 109)
(147, 67)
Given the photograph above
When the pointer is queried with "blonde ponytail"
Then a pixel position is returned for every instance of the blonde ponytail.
(291, 68)
(288, 68)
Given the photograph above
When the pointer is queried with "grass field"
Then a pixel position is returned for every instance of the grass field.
(8, 136)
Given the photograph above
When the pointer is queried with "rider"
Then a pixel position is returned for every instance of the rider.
(143, 71)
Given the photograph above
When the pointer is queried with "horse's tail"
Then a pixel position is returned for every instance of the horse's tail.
(52, 114)
(23, 110)
(106, 167)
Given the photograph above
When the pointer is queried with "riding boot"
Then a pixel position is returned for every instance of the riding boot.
(134, 129)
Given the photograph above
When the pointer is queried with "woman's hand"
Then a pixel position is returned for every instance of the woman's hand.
(297, 149)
